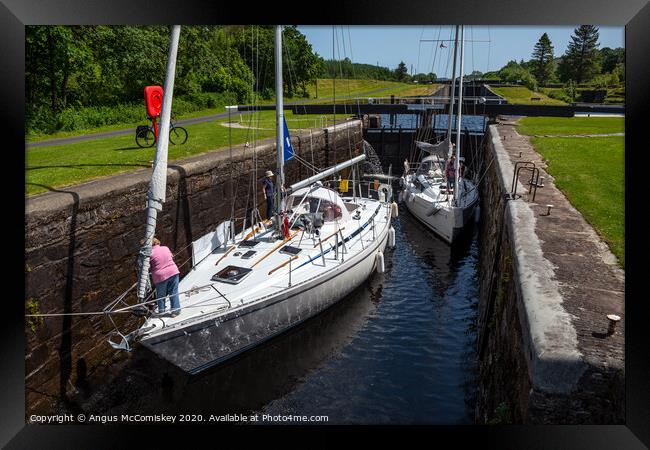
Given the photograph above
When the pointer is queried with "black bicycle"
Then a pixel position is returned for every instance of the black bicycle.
(145, 136)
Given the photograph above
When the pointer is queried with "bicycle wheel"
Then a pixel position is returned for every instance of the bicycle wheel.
(145, 138)
(178, 135)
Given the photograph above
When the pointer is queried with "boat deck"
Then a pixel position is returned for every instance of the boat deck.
(272, 271)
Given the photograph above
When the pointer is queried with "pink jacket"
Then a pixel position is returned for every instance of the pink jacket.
(162, 264)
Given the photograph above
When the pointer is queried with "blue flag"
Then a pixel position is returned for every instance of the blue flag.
(288, 148)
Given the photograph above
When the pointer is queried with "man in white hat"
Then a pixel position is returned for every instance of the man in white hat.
(267, 190)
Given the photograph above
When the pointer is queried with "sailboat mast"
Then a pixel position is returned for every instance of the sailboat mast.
(453, 93)
(279, 115)
(460, 108)
(158, 183)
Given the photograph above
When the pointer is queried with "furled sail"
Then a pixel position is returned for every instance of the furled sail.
(440, 149)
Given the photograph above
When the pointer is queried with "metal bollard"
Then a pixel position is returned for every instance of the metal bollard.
(613, 321)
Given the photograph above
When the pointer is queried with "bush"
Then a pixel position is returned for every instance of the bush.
(558, 94)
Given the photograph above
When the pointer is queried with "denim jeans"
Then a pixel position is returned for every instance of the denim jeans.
(168, 287)
(450, 183)
(269, 207)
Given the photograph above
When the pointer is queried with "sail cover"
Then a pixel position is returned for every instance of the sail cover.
(205, 245)
(440, 149)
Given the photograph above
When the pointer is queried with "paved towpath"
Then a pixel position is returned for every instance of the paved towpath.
(195, 120)
(591, 282)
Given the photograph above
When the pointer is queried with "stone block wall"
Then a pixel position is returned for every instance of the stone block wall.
(535, 364)
(82, 243)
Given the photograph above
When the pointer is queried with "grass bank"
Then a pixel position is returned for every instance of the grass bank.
(571, 125)
(590, 171)
(520, 95)
(366, 88)
(64, 165)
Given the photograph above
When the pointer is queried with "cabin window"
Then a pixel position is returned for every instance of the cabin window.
(430, 169)
(331, 211)
(425, 167)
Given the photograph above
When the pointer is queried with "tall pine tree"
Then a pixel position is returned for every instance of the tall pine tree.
(542, 63)
(581, 62)
(401, 73)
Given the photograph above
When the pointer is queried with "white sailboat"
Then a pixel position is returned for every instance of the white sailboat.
(244, 288)
(425, 192)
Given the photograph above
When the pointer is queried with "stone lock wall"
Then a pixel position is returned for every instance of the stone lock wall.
(82, 243)
(543, 357)
(503, 373)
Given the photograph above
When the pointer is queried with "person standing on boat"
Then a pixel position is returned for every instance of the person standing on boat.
(165, 275)
(267, 190)
(450, 172)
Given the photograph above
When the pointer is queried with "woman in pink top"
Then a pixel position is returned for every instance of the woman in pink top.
(165, 276)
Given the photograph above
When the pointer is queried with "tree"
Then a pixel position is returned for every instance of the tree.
(299, 64)
(581, 61)
(542, 64)
(475, 75)
(611, 58)
(513, 72)
(401, 72)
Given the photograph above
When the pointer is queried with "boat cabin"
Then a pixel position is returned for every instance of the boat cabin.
(432, 167)
(319, 200)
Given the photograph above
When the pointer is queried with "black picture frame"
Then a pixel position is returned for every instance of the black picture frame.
(633, 14)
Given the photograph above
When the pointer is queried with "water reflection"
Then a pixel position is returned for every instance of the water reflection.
(151, 385)
(400, 349)
(414, 360)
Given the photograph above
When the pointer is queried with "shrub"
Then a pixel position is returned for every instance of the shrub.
(558, 94)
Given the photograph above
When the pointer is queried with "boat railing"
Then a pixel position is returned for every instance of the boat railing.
(372, 189)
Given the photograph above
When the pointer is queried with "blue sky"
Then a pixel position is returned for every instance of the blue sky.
(388, 45)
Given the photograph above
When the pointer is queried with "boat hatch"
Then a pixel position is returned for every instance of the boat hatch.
(248, 243)
(289, 250)
(351, 206)
(231, 274)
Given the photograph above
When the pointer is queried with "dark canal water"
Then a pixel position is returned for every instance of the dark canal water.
(400, 349)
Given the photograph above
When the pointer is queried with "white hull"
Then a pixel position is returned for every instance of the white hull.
(262, 305)
(439, 215)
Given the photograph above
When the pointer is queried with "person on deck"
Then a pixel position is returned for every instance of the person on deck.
(165, 275)
(450, 172)
(267, 190)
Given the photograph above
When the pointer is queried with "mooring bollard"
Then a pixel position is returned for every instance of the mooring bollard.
(613, 321)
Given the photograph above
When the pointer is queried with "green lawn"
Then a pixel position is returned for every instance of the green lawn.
(520, 95)
(366, 88)
(590, 172)
(344, 88)
(571, 125)
(64, 165)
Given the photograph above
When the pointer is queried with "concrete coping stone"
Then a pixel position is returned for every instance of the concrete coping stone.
(550, 340)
